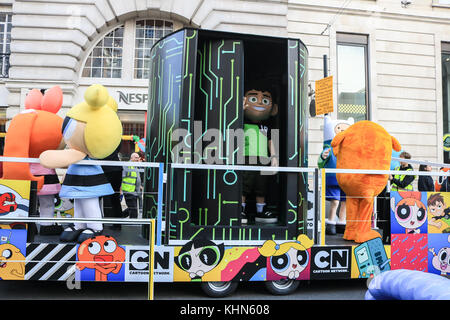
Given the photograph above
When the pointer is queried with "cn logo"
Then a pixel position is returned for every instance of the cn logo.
(138, 260)
(332, 259)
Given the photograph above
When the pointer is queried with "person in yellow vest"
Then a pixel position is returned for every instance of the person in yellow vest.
(131, 186)
(402, 182)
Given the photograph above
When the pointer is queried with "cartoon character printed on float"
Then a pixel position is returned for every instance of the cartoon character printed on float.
(441, 259)
(365, 145)
(259, 150)
(12, 260)
(92, 130)
(410, 212)
(102, 254)
(287, 259)
(198, 257)
(327, 159)
(30, 133)
(439, 214)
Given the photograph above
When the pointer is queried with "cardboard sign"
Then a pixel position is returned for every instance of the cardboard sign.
(324, 95)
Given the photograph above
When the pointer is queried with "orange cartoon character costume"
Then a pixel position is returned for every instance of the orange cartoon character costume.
(367, 146)
(101, 253)
(31, 132)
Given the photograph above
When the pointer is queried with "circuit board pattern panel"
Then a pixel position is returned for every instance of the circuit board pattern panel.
(292, 196)
(303, 135)
(163, 111)
(181, 184)
(218, 115)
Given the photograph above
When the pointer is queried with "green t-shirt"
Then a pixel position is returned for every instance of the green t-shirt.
(256, 140)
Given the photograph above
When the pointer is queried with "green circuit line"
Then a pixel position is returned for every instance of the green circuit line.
(214, 184)
(188, 38)
(296, 113)
(207, 184)
(234, 47)
(295, 216)
(218, 53)
(215, 76)
(182, 222)
(200, 230)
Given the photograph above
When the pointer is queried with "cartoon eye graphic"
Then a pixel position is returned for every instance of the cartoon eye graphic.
(253, 99)
(209, 255)
(6, 253)
(94, 247)
(302, 257)
(280, 263)
(68, 128)
(185, 261)
(110, 246)
(432, 210)
(421, 214)
(266, 101)
(442, 255)
(403, 212)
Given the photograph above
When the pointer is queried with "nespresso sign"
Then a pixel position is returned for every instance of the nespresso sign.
(130, 98)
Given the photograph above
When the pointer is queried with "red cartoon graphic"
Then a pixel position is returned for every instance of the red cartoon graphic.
(101, 253)
(7, 203)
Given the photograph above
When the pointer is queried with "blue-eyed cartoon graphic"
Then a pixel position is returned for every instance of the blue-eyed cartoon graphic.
(439, 248)
(409, 212)
(198, 257)
(287, 260)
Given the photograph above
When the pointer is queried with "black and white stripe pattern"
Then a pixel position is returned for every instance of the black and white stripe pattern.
(50, 261)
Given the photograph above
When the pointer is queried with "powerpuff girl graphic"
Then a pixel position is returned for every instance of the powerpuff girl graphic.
(198, 257)
(410, 212)
(288, 259)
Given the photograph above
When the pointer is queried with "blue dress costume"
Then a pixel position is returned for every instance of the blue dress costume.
(85, 181)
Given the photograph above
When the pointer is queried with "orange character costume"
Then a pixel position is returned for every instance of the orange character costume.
(367, 146)
(32, 132)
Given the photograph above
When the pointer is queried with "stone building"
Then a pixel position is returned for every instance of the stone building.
(390, 59)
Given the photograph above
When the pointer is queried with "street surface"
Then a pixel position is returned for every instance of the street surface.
(354, 289)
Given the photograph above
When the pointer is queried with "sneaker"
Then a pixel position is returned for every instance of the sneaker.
(330, 229)
(244, 219)
(266, 217)
(87, 234)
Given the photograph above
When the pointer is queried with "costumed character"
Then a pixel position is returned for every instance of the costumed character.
(259, 150)
(367, 146)
(92, 130)
(30, 133)
(327, 159)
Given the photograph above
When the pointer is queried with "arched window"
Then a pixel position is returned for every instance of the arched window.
(147, 33)
(105, 60)
(125, 51)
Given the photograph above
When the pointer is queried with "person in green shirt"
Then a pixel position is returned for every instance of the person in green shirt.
(259, 150)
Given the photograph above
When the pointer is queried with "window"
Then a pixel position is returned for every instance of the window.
(5, 40)
(105, 60)
(446, 99)
(352, 77)
(124, 53)
(147, 33)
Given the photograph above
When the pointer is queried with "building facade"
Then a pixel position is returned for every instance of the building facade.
(390, 59)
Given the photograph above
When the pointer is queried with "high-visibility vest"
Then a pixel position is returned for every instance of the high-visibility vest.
(129, 181)
(400, 177)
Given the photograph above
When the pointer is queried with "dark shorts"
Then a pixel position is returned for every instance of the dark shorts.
(334, 193)
(254, 183)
